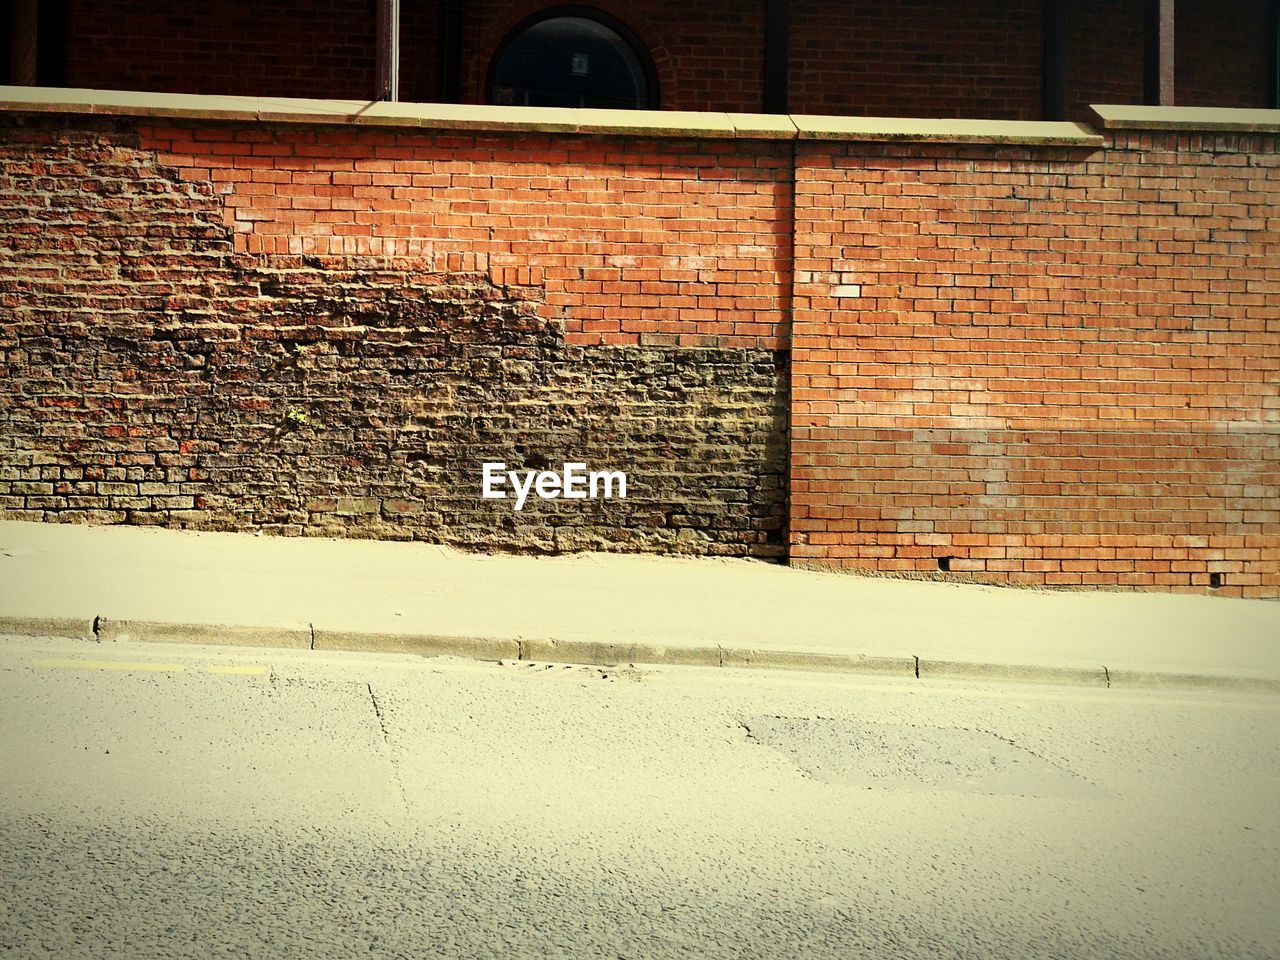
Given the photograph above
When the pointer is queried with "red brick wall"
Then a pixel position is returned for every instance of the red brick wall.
(1053, 366)
(1044, 365)
(934, 58)
(664, 241)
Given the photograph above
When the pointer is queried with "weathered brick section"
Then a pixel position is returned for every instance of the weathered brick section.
(650, 241)
(154, 375)
(1041, 366)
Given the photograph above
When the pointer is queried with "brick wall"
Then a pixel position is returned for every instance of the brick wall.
(280, 48)
(420, 52)
(153, 373)
(1221, 53)
(935, 58)
(1043, 365)
(1104, 52)
(661, 242)
(1048, 367)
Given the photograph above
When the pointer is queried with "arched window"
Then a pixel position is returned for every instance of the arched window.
(573, 57)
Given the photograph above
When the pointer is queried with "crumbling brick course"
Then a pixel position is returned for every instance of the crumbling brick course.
(155, 375)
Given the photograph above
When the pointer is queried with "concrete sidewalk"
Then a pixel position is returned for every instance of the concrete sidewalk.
(135, 584)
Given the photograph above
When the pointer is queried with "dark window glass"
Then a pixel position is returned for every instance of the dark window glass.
(570, 62)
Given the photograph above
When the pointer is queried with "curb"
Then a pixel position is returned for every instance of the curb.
(427, 645)
(74, 628)
(102, 630)
(1071, 676)
(145, 631)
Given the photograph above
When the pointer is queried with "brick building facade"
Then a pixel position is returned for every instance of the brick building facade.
(893, 58)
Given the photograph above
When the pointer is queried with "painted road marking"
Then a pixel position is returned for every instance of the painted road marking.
(109, 665)
(247, 670)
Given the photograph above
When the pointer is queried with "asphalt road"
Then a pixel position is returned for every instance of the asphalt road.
(191, 802)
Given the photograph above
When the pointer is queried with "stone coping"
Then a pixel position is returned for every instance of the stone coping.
(1127, 117)
(438, 116)
(912, 130)
(646, 123)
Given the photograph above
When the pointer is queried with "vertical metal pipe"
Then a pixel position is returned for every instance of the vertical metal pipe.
(382, 52)
(1158, 53)
(394, 90)
(388, 66)
(1273, 40)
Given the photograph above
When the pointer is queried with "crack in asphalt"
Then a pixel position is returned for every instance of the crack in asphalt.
(392, 760)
